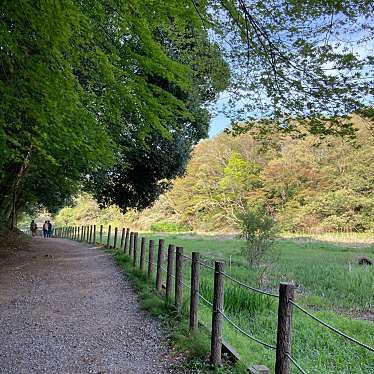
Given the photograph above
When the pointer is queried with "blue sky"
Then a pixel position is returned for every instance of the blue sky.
(218, 124)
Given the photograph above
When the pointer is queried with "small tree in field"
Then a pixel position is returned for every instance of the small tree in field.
(259, 230)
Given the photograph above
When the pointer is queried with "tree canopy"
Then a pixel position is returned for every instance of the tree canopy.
(111, 96)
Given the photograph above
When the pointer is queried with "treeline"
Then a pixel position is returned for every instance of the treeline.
(303, 184)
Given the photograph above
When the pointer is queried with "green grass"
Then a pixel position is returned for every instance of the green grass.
(329, 283)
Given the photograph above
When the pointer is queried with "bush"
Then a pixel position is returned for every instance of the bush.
(259, 230)
(164, 226)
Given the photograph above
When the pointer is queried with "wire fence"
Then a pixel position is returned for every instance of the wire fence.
(202, 263)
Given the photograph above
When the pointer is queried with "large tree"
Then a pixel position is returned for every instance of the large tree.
(90, 89)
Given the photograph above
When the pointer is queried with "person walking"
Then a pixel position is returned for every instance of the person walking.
(45, 229)
(33, 228)
(49, 229)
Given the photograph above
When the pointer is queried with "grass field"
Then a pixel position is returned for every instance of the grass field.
(329, 283)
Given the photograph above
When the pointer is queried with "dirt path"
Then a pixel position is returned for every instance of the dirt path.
(66, 308)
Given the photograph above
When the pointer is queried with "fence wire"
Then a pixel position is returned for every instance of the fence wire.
(333, 328)
(296, 364)
(249, 287)
(231, 322)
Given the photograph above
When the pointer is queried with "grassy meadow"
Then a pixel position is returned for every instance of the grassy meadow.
(329, 283)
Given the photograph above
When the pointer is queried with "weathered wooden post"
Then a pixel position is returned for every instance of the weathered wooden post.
(126, 240)
(284, 332)
(122, 238)
(78, 233)
(169, 271)
(90, 236)
(131, 244)
(74, 232)
(87, 233)
(195, 283)
(101, 234)
(179, 279)
(108, 238)
(160, 259)
(82, 233)
(217, 317)
(142, 254)
(115, 237)
(151, 258)
(135, 252)
(94, 234)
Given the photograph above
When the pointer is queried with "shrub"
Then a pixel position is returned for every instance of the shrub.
(165, 226)
(259, 230)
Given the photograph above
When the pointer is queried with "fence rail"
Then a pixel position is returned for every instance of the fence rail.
(174, 270)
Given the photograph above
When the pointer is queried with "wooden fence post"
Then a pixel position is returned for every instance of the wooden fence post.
(151, 258)
(195, 283)
(74, 233)
(131, 243)
(169, 271)
(160, 258)
(217, 317)
(115, 238)
(126, 240)
(101, 234)
(88, 233)
(122, 238)
(90, 237)
(79, 233)
(135, 252)
(82, 233)
(284, 333)
(108, 238)
(142, 254)
(94, 234)
(179, 279)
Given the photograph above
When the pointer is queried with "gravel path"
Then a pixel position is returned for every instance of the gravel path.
(66, 308)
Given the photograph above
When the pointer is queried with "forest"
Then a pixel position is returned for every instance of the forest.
(113, 103)
(308, 183)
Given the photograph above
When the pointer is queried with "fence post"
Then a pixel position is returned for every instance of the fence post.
(179, 279)
(90, 237)
(169, 271)
(217, 317)
(135, 252)
(79, 233)
(195, 283)
(142, 254)
(122, 238)
(88, 233)
(108, 238)
(101, 234)
(151, 258)
(115, 238)
(284, 333)
(160, 259)
(82, 233)
(94, 234)
(126, 240)
(131, 246)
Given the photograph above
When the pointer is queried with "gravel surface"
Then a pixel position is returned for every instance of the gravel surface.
(65, 307)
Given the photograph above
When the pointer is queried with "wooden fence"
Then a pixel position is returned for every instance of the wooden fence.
(176, 261)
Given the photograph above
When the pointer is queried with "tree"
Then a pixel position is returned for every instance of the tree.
(298, 66)
(82, 104)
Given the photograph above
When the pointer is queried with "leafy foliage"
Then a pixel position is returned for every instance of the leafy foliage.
(97, 93)
(258, 230)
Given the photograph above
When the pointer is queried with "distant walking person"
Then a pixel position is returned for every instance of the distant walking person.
(45, 229)
(49, 229)
(33, 228)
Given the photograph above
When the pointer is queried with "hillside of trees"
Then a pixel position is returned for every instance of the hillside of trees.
(304, 183)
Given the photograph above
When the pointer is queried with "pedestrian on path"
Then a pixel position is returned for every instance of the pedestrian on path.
(49, 229)
(33, 228)
(45, 229)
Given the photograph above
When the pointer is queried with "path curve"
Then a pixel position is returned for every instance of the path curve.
(65, 307)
